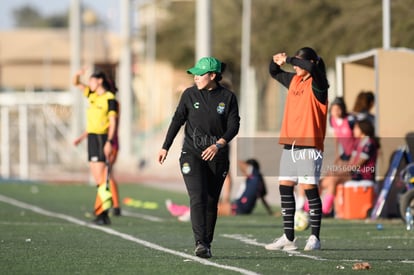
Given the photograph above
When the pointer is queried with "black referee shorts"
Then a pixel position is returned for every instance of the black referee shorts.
(96, 143)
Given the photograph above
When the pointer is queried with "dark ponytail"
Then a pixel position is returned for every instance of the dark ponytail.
(368, 129)
(107, 83)
(219, 76)
(310, 54)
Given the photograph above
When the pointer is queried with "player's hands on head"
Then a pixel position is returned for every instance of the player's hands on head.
(280, 58)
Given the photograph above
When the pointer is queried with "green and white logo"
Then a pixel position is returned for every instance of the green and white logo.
(186, 168)
(220, 108)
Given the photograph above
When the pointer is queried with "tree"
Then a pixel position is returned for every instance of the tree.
(330, 26)
(29, 17)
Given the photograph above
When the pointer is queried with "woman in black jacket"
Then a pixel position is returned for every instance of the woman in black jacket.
(211, 117)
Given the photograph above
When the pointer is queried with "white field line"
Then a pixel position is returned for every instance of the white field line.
(124, 236)
(407, 262)
(392, 238)
(30, 223)
(141, 216)
(248, 240)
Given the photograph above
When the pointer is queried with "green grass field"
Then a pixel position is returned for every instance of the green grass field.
(46, 229)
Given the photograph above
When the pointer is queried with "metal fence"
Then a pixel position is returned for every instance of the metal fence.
(35, 133)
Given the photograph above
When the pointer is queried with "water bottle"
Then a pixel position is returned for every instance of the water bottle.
(408, 218)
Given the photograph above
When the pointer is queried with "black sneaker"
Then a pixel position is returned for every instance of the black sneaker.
(102, 219)
(117, 211)
(106, 219)
(202, 251)
(99, 220)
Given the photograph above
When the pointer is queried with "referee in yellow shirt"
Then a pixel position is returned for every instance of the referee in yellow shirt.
(101, 127)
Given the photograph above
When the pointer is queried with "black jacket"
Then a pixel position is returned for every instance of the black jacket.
(208, 116)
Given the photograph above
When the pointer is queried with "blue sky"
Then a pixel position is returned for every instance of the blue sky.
(107, 10)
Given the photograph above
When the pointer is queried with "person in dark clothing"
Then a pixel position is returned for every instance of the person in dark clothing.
(211, 117)
(254, 188)
(363, 105)
(251, 190)
(361, 165)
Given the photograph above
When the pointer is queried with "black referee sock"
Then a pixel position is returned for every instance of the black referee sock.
(315, 210)
(288, 210)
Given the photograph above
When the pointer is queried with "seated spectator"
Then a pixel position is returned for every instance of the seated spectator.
(342, 124)
(361, 166)
(364, 103)
(252, 188)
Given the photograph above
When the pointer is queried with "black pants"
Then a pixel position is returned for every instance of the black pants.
(204, 181)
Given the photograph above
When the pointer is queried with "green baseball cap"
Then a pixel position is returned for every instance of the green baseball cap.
(205, 65)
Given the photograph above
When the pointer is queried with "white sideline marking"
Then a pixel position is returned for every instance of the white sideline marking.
(124, 236)
(247, 240)
(243, 239)
(142, 216)
(29, 223)
(392, 238)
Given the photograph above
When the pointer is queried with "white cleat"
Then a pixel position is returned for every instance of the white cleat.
(282, 244)
(313, 243)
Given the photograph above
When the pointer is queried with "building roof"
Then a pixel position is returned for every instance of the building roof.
(40, 58)
(53, 45)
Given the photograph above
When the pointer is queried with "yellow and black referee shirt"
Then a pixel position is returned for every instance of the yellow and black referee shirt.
(100, 108)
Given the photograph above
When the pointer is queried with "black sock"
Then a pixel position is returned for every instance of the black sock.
(288, 210)
(315, 210)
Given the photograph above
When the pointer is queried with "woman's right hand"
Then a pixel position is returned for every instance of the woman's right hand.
(162, 155)
(280, 58)
(80, 72)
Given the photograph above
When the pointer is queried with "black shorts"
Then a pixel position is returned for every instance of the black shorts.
(96, 143)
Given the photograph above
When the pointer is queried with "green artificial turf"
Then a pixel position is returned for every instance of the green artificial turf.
(46, 242)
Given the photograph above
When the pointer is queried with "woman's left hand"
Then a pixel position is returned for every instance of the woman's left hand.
(107, 149)
(210, 152)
